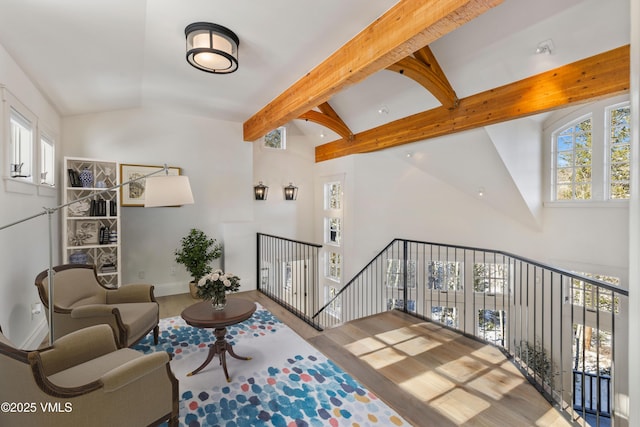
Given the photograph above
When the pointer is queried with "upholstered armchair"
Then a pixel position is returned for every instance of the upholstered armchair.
(85, 380)
(80, 300)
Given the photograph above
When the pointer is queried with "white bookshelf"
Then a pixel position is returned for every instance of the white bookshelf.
(91, 227)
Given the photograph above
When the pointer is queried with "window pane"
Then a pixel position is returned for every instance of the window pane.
(334, 265)
(573, 161)
(490, 278)
(583, 174)
(564, 192)
(47, 161)
(333, 196)
(445, 315)
(21, 145)
(619, 152)
(583, 192)
(564, 175)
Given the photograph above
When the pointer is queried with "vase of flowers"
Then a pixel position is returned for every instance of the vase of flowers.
(214, 286)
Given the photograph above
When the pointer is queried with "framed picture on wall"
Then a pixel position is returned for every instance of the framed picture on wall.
(133, 194)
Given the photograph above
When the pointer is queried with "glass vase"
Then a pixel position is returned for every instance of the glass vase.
(219, 301)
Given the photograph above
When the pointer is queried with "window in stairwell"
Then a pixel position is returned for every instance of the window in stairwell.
(333, 231)
(490, 278)
(594, 298)
(277, 138)
(448, 316)
(444, 275)
(333, 251)
(491, 326)
(618, 139)
(335, 305)
(334, 266)
(333, 196)
(572, 156)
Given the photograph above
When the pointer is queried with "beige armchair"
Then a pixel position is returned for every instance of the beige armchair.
(85, 380)
(80, 300)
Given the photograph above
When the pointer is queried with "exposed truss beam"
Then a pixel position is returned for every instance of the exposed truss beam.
(403, 29)
(329, 118)
(599, 76)
(424, 69)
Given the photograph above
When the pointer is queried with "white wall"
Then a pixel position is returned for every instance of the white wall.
(24, 248)
(276, 169)
(391, 196)
(219, 165)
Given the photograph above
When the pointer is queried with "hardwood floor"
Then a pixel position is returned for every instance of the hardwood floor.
(428, 374)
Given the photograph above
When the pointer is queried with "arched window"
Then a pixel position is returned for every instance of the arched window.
(572, 156)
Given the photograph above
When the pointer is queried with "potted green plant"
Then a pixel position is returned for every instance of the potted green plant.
(196, 252)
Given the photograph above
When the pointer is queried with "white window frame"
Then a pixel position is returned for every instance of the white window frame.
(609, 144)
(600, 164)
(572, 166)
(47, 155)
(22, 134)
(332, 281)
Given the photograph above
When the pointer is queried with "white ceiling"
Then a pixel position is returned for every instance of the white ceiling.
(99, 55)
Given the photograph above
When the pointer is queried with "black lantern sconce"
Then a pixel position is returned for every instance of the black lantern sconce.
(261, 191)
(290, 192)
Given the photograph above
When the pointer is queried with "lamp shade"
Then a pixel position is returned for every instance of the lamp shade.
(167, 190)
(212, 48)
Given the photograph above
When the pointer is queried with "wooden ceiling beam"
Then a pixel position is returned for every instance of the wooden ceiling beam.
(403, 29)
(425, 70)
(597, 77)
(334, 123)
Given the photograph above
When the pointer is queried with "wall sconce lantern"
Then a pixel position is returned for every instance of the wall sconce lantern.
(212, 48)
(261, 191)
(290, 192)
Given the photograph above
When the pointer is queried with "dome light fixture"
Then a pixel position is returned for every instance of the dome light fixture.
(212, 48)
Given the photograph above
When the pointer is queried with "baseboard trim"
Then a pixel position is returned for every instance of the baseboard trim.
(175, 288)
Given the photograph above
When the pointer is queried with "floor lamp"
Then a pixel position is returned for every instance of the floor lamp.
(166, 190)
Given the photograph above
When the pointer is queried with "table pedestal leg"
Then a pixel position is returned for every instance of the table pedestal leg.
(220, 347)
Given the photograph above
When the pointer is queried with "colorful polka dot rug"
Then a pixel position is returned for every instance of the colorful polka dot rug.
(286, 383)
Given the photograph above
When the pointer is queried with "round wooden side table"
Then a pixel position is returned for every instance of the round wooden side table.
(202, 315)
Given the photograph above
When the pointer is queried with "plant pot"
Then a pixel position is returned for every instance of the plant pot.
(193, 290)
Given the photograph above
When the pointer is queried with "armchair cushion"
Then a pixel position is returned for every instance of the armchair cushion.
(139, 292)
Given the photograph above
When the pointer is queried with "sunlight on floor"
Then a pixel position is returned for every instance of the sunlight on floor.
(397, 335)
(495, 383)
(364, 346)
(449, 405)
(427, 386)
(462, 369)
(381, 358)
(417, 345)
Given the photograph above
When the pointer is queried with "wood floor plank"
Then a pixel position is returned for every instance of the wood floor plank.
(430, 375)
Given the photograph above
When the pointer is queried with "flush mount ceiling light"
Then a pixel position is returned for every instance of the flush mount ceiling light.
(212, 48)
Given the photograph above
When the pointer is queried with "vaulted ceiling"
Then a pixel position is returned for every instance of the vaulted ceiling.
(365, 75)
